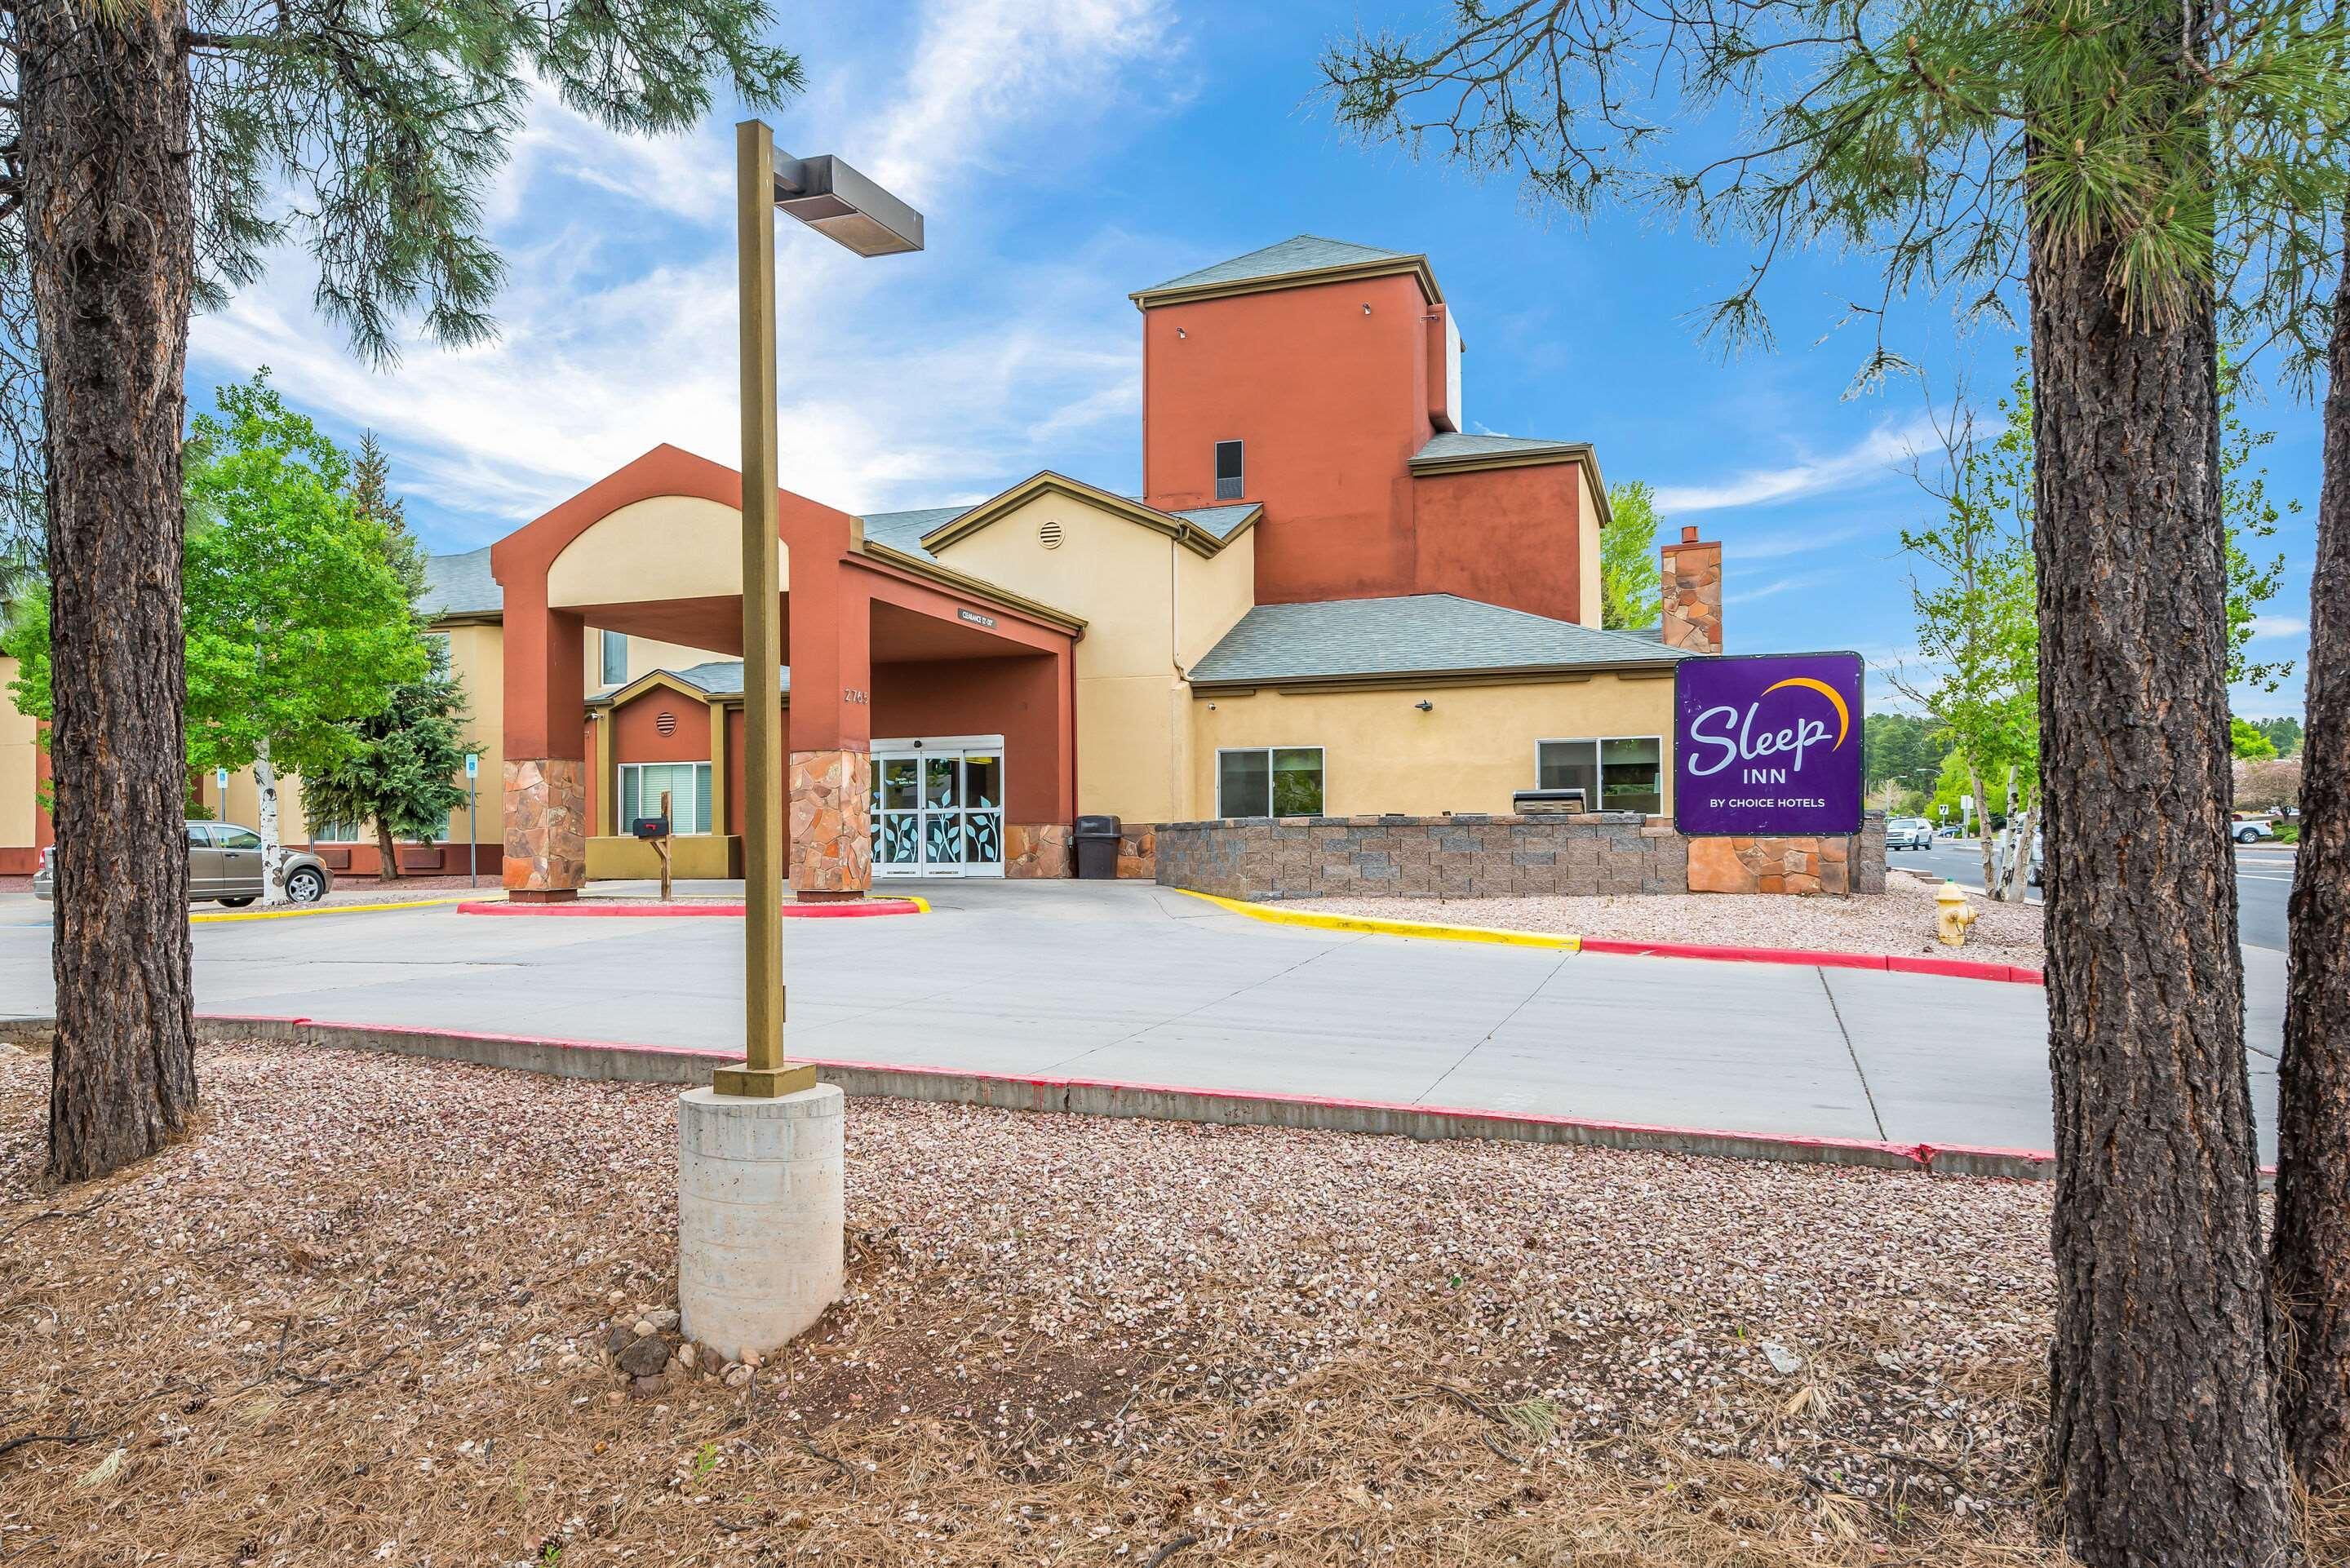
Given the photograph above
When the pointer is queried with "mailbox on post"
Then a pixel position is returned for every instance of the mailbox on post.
(650, 827)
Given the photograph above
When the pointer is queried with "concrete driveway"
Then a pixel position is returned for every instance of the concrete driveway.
(1131, 981)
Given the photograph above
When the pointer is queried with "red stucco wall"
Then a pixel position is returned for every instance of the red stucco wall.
(1503, 535)
(1331, 402)
(1015, 698)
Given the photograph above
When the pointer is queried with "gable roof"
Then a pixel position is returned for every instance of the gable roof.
(1413, 636)
(461, 585)
(1297, 262)
(716, 678)
(1204, 530)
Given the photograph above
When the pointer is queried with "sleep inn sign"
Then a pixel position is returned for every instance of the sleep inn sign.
(1768, 745)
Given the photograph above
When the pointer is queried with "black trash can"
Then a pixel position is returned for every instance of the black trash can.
(1096, 842)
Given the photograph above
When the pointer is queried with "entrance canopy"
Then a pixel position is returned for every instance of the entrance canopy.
(878, 641)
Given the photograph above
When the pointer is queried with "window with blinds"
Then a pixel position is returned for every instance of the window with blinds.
(689, 786)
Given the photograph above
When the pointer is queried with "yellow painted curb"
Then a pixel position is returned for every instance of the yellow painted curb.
(1429, 929)
(338, 909)
(917, 900)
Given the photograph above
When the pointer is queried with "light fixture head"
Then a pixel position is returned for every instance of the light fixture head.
(1425, 706)
(845, 207)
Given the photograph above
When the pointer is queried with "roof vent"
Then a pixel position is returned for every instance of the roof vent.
(665, 721)
(1048, 534)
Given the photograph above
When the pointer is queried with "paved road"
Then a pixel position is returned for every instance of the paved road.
(1135, 982)
(2264, 882)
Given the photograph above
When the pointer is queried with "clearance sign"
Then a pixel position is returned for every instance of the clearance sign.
(1767, 744)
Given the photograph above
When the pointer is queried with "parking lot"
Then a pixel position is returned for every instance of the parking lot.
(1135, 983)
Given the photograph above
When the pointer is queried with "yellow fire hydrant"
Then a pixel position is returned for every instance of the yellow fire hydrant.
(1952, 915)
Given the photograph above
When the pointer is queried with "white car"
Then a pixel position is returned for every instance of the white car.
(1908, 833)
(2250, 829)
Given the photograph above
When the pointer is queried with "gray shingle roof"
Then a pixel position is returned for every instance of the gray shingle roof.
(903, 531)
(1415, 634)
(1450, 444)
(461, 585)
(1303, 253)
(719, 677)
(1218, 520)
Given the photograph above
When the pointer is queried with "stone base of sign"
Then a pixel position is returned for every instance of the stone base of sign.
(1467, 857)
(759, 1211)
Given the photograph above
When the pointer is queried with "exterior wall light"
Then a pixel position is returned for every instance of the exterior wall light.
(845, 207)
(1425, 706)
(1366, 309)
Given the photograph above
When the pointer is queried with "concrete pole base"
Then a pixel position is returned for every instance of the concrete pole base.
(759, 1215)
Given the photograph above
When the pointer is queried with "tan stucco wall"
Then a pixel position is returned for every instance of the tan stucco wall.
(1586, 534)
(17, 767)
(1151, 607)
(663, 547)
(477, 658)
(645, 656)
(1472, 752)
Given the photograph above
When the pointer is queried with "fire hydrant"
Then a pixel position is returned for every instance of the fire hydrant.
(1952, 915)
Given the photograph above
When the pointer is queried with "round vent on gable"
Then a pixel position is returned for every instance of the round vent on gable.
(1048, 534)
(665, 721)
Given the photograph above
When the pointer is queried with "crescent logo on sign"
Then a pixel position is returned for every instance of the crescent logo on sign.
(1844, 714)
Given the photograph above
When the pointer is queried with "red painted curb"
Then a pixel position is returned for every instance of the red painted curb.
(1816, 958)
(863, 908)
(1048, 1093)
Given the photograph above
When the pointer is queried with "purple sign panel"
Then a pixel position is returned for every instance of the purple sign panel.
(1766, 744)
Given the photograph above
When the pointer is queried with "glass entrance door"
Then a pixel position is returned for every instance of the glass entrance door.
(938, 808)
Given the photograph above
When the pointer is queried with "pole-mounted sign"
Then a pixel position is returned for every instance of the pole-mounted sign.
(1767, 744)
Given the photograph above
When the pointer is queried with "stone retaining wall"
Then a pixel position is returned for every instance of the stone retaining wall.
(1470, 856)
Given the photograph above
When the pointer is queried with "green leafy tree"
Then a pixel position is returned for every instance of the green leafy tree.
(297, 624)
(1898, 750)
(159, 155)
(1631, 576)
(400, 772)
(2283, 734)
(1976, 626)
(2251, 745)
(2251, 519)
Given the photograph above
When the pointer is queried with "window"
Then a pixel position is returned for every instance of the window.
(229, 836)
(616, 659)
(689, 786)
(1228, 471)
(342, 832)
(1623, 773)
(1269, 781)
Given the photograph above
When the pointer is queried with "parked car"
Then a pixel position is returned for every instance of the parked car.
(1908, 833)
(2250, 829)
(225, 864)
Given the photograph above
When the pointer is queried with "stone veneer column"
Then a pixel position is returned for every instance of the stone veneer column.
(830, 824)
(546, 829)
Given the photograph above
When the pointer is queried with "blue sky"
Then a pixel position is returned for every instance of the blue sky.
(1067, 151)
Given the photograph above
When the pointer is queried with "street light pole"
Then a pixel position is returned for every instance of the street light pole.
(763, 1074)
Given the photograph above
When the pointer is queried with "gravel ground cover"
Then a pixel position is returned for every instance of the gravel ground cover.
(1902, 920)
(371, 1312)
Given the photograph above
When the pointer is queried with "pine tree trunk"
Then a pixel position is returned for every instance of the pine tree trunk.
(108, 229)
(386, 853)
(273, 841)
(2163, 1426)
(2310, 1261)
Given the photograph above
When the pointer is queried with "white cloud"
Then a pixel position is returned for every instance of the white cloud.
(2264, 625)
(1778, 586)
(911, 381)
(1881, 454)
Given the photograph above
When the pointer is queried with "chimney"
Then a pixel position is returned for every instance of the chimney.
(1692, 585)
